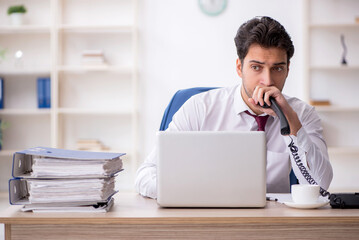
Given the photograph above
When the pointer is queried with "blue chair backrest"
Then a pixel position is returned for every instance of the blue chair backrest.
(180, 98)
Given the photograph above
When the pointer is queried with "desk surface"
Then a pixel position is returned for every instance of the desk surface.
(130, 208)
(135, 217)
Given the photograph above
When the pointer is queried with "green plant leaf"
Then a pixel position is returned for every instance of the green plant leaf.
(16, 9)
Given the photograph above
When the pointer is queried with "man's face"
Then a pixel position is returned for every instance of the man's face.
(264, 67)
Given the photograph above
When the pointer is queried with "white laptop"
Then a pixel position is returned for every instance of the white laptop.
(211, 169)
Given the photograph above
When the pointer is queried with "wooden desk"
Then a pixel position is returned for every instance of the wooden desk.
(136, 217)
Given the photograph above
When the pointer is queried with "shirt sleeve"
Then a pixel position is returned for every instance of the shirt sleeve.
(145, 183)
(187, 118)
(311, 152)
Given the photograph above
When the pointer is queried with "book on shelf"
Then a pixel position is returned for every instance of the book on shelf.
(319, 102)
(44, 92)
(91, 145)
(47, 92)
(1, 93)
(93, 57)
(92, 52)
(51, 179)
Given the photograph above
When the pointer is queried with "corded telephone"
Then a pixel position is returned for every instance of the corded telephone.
(337, 200)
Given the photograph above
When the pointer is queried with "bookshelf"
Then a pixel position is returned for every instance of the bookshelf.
(24, 29)
(328, 79)
(343, 150)
(87, 101)
(337, 109)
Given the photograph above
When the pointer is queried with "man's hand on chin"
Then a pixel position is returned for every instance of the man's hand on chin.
(261, 95)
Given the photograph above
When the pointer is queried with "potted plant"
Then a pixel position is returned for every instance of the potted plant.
(16, 13)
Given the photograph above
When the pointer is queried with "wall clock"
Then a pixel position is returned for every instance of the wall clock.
(212, 7)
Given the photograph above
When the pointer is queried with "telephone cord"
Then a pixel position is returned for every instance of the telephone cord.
(303, 170)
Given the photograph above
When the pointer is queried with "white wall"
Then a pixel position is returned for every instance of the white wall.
(180, 47)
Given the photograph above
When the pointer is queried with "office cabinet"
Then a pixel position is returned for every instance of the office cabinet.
(89, 100)
(332, 29)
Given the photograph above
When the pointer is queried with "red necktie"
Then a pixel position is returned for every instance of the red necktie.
(261, 120)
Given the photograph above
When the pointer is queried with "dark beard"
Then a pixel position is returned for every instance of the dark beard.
(245, 90)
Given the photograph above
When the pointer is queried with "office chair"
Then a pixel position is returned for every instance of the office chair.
(180, 97)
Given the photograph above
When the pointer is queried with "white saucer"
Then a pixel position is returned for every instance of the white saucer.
(317, 204)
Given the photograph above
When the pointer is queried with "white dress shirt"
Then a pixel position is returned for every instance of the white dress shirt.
(223, 109)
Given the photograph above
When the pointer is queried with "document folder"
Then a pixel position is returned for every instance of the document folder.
(23, 162)
(19, 194)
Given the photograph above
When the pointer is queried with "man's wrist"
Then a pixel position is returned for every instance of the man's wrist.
(294, 123)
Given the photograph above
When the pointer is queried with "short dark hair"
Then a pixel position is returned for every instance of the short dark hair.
(264, 31)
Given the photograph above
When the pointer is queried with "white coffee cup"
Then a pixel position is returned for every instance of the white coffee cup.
(305, 193)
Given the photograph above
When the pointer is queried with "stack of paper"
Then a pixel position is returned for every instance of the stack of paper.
(48, 179)
(69, 207)
(56, 167)
(70, 190)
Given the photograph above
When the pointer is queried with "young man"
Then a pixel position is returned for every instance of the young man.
(264, 50)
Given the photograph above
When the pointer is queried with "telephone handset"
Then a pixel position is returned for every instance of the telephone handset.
(284, 126)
